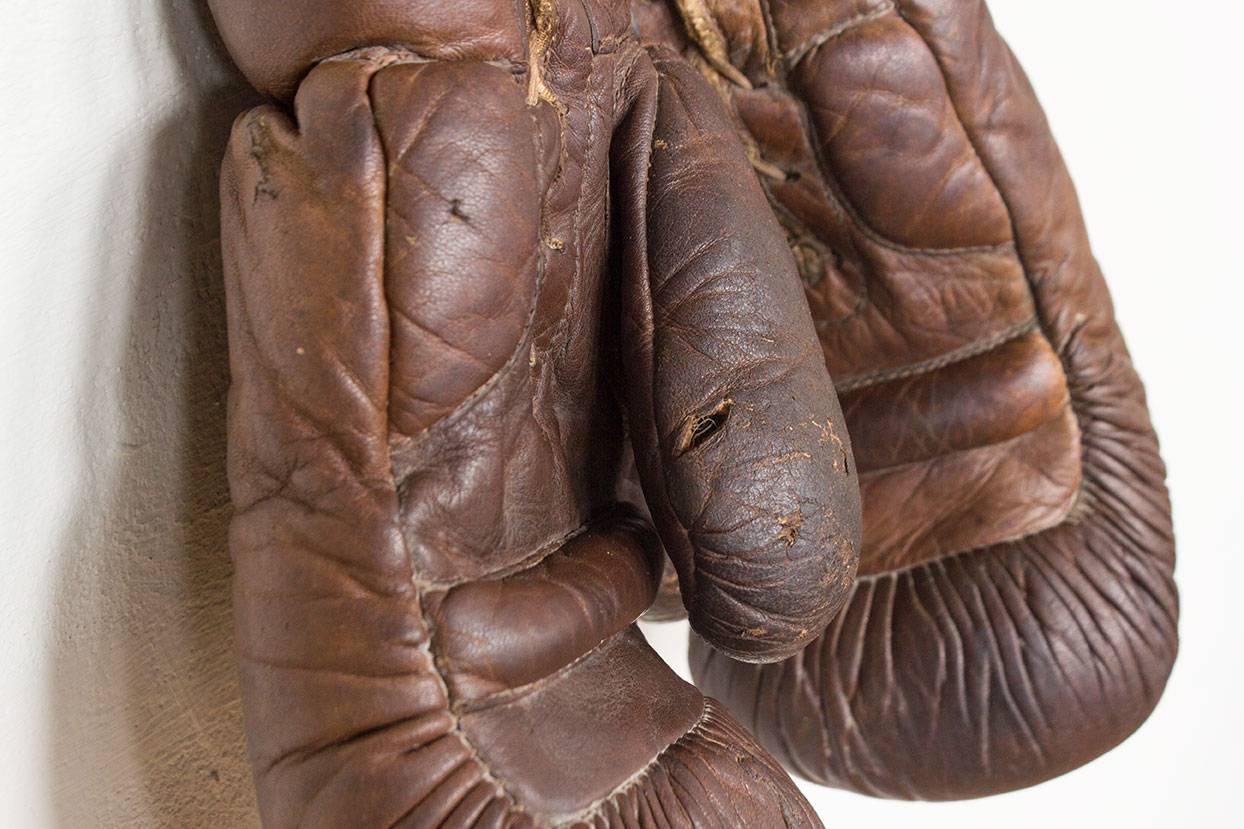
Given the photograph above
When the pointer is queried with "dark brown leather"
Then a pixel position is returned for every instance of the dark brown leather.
(469, 235)
(1016, 614)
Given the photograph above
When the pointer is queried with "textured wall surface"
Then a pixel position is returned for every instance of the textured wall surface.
(124, 706)
(117, 690)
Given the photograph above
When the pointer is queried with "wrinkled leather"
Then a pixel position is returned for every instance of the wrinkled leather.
(463, 252)
(1015, 614)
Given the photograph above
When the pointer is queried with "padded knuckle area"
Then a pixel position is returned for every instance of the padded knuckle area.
(462, 229)
(965, 500)
(890, 134)
(927, 320)
(985, 399)
(982, 450)
(880, 306)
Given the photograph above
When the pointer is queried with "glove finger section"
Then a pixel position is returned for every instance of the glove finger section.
(739, 437)
(337, 680)
(906, 243)
(469, 166)
(1000, 667)
(462, 230)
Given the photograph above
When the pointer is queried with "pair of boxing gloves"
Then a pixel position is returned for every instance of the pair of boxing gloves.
(525, 296)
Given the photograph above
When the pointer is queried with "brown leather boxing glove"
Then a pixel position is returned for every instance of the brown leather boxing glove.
(459, 240)
(1015, 614)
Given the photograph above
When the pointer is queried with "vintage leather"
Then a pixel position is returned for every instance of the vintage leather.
(471, 242)
(1015, 614)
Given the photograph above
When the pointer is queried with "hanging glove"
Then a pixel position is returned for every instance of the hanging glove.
(456, 251)
(1015, 614)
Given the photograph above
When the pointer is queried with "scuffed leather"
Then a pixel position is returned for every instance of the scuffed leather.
(455, 257)
(1016, 614)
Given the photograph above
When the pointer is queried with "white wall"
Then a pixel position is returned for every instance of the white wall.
(118, 692)
(117, 695)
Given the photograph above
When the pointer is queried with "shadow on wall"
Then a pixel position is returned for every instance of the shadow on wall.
(146, 721)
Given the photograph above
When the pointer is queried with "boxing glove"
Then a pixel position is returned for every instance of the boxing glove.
(464, 251)
(1015, 614)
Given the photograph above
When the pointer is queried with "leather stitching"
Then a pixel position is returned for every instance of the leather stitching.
(837, 198)
(526, 563)
(1076, 404)
(383, 55)
(822, 37)
(426, 647)
(438, 672)
(585, 815)
(975, 348)
(558, 336)
(518, 692)
(873, 473)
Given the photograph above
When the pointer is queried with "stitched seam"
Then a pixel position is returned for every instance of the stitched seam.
(428, 621)
(1076, 404)
(518, 692)
(558, 336)
(771, 37)
(878, 471)
(1074, 504)
(593, 809)
(526, 563)
(822, 37)
(966, 352)
(835, 197)
(456, 728)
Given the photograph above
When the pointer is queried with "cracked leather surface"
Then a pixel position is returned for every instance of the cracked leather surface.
(1015, 614)
(463, 253)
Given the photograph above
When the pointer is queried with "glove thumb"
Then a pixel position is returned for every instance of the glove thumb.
(738, 435)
